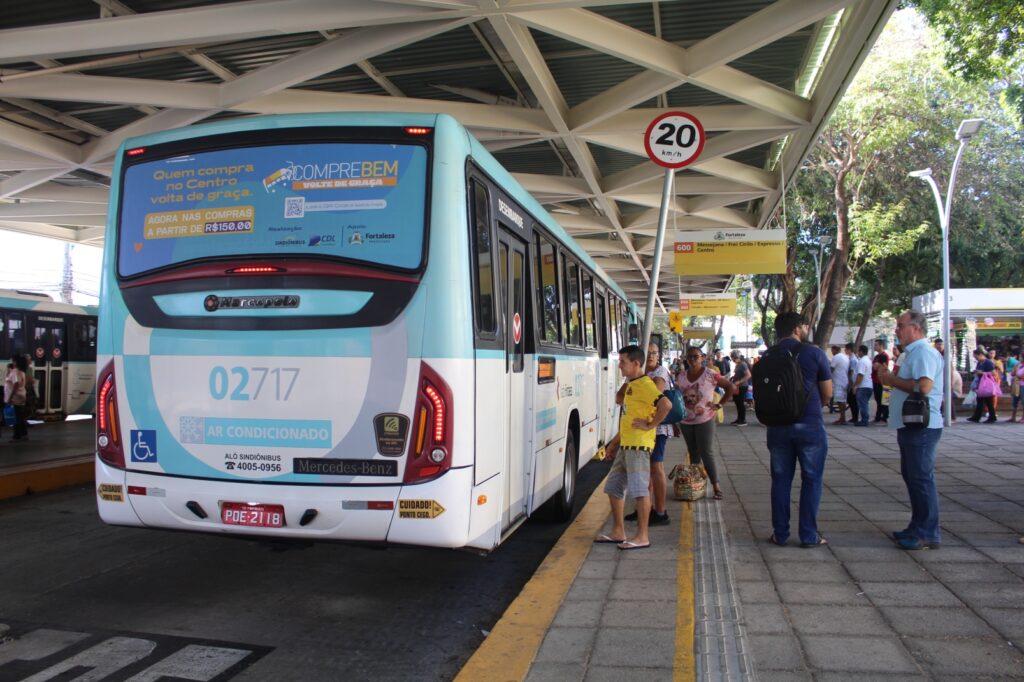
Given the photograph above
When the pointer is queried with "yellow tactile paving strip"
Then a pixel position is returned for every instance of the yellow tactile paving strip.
(510, 648)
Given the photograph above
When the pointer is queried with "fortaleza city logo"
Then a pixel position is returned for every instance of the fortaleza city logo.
(358, 235)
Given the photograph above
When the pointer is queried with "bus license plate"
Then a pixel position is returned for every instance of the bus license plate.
(261, 515)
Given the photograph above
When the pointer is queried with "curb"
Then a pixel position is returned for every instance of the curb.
(36, 478)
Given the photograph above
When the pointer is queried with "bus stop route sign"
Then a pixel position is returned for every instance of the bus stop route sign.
(674, 139)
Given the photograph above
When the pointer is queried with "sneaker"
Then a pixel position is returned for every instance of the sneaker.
(972, 419)
(657, 519)
(913, 543)
(992, 420)
(739, 423)
(902, 534)
(630, 517)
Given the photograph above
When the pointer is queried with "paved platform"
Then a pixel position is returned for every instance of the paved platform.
(712, 599)
(56, 454)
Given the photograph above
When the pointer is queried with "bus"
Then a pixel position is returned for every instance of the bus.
(60, 342)
(352, 327)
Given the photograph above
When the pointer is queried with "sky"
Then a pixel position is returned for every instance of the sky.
(37, 264)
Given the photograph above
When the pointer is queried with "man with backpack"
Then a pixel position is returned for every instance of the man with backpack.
(792, 382)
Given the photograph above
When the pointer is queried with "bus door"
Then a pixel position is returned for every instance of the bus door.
(604, 378)
(512, 286)
(49, 346)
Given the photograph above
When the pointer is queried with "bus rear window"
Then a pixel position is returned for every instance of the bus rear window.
(358, 202)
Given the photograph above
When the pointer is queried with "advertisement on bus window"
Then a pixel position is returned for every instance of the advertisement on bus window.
(360, 202)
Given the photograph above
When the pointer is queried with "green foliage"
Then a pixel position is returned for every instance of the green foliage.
(984, 38)
(878, 233)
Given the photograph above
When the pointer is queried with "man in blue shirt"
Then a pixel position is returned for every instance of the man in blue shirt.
(805, 441)
(918, 366)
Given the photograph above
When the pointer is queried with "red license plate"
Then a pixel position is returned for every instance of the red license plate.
(260, 515)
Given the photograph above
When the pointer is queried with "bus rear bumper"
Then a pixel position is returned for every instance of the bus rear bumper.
(435, 513)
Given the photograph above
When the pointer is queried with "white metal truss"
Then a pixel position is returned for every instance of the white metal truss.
(612, 212)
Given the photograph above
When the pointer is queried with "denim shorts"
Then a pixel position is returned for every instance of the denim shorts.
(658, 453)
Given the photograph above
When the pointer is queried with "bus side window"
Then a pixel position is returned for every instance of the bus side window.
(15, 335)
(589, 326)
(550, 307)
(84, 340)
(572, 303)
(613, 314)
(483, 270)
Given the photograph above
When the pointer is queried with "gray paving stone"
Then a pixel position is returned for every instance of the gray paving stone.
(820, 593)
(924, 621)
(628, 614)
(950, 555)
(589, 589)
(909, 594)
(643, 590)
(1006, 595)
(637, 647)
(617, 674)
(884, 571)
(783, 676)
(971, 572)
(1008, 622)
(658, 569)
(968, 657)
(586, 614)
(765, 619)
(749, 570)
(775, 652)
(858, 654)
(837, 620)
(556, 672)
(757, 592)
(809, 572)
(867, 677)
(566, 645)
(1005, 555)
(861, 553)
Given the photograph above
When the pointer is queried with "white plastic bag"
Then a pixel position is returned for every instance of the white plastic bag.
(970, 400)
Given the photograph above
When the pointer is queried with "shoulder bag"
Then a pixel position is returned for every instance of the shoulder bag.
(916, 409)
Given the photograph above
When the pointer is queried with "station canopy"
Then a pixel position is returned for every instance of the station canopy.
(561, 91)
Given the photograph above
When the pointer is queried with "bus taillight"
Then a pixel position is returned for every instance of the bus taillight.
(108, 439)
(430, 449)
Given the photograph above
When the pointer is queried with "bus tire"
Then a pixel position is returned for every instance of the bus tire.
(560, 507)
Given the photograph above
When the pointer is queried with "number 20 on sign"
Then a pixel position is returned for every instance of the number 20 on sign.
(674, 139)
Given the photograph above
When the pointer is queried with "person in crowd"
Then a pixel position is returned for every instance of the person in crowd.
(920, 368)
(643, 408)
(16, 395)
(1016, 384)
(983, 373)
(956, 389)
(740, 379)
(804, 442)
(880, 358)
(840, 366)
(862, 385)
(659, 482)
(997, 374)
(697, 385)
(851, 377)
(940, 345)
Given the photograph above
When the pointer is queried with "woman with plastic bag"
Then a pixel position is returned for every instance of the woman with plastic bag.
(697, 385)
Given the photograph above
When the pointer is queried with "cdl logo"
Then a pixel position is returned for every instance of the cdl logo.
(684, 304)
(684, 247)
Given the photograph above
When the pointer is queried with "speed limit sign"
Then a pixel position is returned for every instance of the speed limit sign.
(674, 140)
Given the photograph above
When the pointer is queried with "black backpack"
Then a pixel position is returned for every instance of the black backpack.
(779, 394)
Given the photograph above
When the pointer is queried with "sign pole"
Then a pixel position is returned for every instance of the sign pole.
(672, 140)
(659, 242)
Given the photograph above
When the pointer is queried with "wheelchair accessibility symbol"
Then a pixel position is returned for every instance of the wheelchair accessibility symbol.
(143, 446)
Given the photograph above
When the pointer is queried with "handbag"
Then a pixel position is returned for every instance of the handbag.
(987, 386)
(916, 410)
(9, 417)
(688, 481)
(678, 412)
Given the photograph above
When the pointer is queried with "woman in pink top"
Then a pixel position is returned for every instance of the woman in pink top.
(697, 384)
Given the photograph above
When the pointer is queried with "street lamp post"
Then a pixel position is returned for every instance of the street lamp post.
(964, 133)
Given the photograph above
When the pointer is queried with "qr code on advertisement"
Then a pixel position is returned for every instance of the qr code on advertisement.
(192, 429)
(294, 207)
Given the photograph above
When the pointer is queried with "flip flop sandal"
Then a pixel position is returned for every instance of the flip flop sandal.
(717, 496)
(820, 542)
(775, 541)
(607, 539)
(627, 545)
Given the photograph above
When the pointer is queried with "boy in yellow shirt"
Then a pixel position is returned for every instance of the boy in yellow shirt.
(643, 408)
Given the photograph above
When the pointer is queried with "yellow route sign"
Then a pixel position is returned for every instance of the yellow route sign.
(419, 509)
(698, 333)
(708, 304)
(730, 252)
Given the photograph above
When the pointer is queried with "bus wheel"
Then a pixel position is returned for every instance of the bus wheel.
(560, 506)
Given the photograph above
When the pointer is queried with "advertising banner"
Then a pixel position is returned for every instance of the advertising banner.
(708, 304)
(730, 252)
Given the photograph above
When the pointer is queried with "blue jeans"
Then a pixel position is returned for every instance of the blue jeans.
(917, 465)
(808, 445)
(863, 400)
